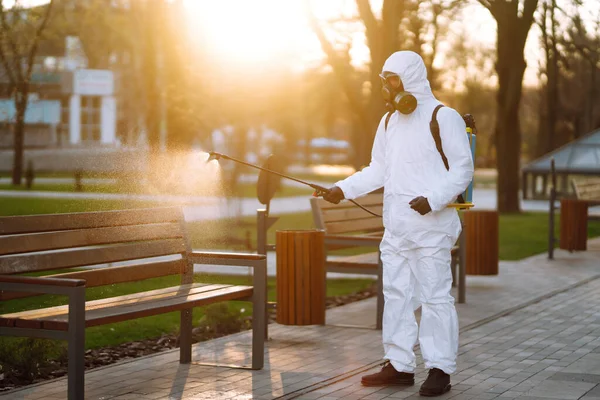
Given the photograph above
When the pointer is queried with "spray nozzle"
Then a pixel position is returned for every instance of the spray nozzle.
(213, 155)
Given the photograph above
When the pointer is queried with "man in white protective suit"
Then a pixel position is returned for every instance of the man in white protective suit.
(420, 230)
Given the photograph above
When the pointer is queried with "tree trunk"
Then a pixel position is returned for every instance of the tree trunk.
(542, 137)
(510, 68)
(19, 136)
(178, 129)
(153, 94)
(552, 67)
(512, 34)
(589, 123)
(382, 37)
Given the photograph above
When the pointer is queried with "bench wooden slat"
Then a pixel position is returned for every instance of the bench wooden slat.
(112, 275)
(365, 260)
(55, 222)
(587, 189)
(590, 194)
(345, 214)
(89, 256)
(587, 186)
(375, 199)
(144, 308)
(357, 225)
(14, 244)
(172, 291)
(108, 316)
(20, 323)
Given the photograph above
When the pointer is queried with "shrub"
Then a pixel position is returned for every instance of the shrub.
(24, 359)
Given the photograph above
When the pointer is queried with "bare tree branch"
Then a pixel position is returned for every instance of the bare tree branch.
(36, 39)
(371, 23)
(3, 55)
(8, 35)
(528, 14)
(340, 69)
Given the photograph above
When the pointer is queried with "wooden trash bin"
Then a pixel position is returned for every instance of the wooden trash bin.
(482, 241)
(573, 224)
(300, 277)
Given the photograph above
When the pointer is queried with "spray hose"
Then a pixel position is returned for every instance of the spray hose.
(319, 190)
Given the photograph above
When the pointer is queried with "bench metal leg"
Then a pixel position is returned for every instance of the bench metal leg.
(380, 299)
(462, 267)
(76, 346)
(259, 313)
(259, 301)
(261, 245)
(185, 337)
(453, 266)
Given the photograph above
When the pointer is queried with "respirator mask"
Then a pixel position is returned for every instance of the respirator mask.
(393, 93)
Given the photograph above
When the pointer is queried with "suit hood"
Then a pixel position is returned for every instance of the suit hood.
(409, 66)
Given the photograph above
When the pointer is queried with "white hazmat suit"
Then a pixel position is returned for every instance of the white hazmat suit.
(415, 249)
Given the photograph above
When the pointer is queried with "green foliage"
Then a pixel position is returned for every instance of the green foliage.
(25, 358)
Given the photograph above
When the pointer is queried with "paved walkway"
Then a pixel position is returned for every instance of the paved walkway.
(530, 333)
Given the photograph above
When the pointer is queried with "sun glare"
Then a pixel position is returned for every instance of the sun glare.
(251, 32)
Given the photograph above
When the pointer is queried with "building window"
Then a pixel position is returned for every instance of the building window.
(90, 119)
(63, 129)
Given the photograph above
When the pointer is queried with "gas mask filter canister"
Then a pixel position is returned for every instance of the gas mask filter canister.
(397, 98)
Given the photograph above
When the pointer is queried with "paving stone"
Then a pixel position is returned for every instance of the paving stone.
(561, 390)
(550, 349)
(594, 392)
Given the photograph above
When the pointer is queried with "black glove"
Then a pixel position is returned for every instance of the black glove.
(420, 205)
(334, 195)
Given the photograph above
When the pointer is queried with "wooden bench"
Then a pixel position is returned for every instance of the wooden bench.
(67, 241)
(587, 189)
(348, 226)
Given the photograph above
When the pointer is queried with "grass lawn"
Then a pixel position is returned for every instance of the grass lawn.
(244, 190)
(526, 235)
(27, 206)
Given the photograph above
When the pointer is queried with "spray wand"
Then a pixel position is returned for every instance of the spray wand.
(319, 190)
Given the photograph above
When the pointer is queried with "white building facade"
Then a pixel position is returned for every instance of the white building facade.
(90, 114)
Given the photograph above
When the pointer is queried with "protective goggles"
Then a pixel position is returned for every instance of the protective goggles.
(390, 79)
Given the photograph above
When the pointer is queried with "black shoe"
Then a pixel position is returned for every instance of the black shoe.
(388, 376)
(436, 384)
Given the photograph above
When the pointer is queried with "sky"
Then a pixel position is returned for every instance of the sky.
(260, 33)
(268, 31)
